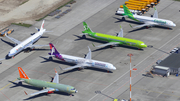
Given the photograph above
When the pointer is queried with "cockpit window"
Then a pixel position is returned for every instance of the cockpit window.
(73, 89)
(142, 44)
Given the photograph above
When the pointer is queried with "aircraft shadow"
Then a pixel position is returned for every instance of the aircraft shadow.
(56, 61)
(9, 43)
(89, 39)
(129, 21)
(45, 94)
(98, 69)
(25, 86)
(106, 47)
(99, 92)
(69, 71)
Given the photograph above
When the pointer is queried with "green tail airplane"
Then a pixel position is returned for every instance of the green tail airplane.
(113, 40)
(48, 87)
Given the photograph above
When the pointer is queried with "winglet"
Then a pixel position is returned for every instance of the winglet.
(22, 74)
(93, 45)
(55, 70)
(130, 26)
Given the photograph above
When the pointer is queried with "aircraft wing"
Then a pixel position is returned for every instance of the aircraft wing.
(146, 24)
(107, 44)
(76, 66)
(12, 39)
(36, 46)
(42, 91)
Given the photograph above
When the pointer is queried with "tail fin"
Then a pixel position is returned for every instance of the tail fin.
(53, 49)
(86, 28)
(42, 26)
(126, 11)
(22, 74)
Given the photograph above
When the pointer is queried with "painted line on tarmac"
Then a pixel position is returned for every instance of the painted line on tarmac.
(136, 66)
(7, 85)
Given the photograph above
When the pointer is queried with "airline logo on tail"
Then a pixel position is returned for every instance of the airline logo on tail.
(22, 74)
(128, 13)
(86, 27)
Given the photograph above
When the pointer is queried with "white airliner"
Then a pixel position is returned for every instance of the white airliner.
(148, 21)
(80, 62)
(28, 43)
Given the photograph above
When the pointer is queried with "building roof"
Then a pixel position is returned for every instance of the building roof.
(172, 61)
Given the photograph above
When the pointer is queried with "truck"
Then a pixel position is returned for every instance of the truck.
(120, 11)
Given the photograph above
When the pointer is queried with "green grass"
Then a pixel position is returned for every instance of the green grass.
(22, 24)
(55, 9)
(24, 2)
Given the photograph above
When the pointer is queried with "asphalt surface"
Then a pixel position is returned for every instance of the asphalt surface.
(94, 84)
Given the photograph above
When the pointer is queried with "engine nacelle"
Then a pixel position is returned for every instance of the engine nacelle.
(49, 92)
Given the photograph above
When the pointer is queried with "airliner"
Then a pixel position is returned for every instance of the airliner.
(148, 21)
(80, 62)
(113, 40)
(48, 87)
(28, 43)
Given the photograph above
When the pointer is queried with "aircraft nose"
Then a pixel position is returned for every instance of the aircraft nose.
(76, 91)
(145, 46)
(113, 68)
(9, 54)
(174, 25)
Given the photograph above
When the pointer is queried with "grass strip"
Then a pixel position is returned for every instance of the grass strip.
(22, 24)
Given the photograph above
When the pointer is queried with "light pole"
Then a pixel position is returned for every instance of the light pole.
(130, 74)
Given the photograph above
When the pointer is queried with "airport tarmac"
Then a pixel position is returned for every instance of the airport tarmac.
(100, 16)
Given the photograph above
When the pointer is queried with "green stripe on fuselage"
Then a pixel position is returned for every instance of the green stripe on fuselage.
(121, 40)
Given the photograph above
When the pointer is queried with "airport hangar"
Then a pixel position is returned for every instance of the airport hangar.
(170, 65)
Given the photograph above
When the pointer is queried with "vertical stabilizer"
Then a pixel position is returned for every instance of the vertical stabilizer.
(53, 49)
(22, 74)
(127, 11)
(42, 26)
(86, 28)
